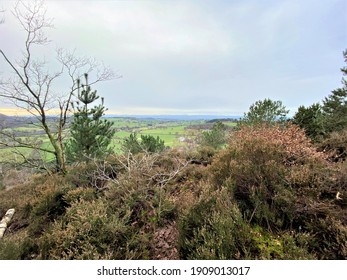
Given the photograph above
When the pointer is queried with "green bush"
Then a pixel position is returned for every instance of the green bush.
(146, 143)
(214, 138)
(203, 155)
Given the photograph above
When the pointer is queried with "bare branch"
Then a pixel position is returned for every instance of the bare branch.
(32, 162)
(10, 140)
(31, 87)
(76, 67)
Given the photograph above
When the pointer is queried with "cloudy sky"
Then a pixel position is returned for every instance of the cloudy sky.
(201, 57)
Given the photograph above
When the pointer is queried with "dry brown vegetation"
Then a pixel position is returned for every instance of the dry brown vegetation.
(268, 195)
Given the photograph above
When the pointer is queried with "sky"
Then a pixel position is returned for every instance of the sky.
(199, 57)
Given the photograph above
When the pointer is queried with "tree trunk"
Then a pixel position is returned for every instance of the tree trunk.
(58, 147)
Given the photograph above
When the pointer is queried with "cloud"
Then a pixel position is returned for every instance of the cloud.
(204, 55)
(142, 27)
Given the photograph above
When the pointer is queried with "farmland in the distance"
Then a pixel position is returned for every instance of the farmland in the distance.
(175, 133)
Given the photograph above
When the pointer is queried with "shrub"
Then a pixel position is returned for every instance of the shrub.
(335, 146)
(48, 208)
(280, 182)
(329, 238)
(89, 230)
(146, 143)
(96, 173)
(214, 138)
(9, 250)
(214, 228)
(204, 232)
(18, 246)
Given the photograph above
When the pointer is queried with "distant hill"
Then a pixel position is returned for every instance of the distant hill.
(174, 117)
(3, 120)
(234, 119)
(12, 121)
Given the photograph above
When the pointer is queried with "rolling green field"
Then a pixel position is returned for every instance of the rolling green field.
(172, 132)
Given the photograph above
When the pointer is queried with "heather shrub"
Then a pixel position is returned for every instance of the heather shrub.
(48, 207)
(280, 246)
(335, 146)
(37, 203)
(208, 231)
(280, 182)
(18, 246)
(10, 249)
(214, 228)
(12, 177)
(77, 194)
(89, 230)
(261, 154)
(329, 238)
(95, 173)
(255, 169)
(203, 155)
(144, 189)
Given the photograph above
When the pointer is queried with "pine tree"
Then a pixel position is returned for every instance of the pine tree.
(335, 105)
(265, 111)
(311, 120)
(90, 134)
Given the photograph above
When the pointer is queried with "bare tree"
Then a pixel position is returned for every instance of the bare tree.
(30, 86)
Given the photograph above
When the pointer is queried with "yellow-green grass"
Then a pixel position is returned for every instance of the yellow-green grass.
(12, 155)
(231, 124)
(131, 123)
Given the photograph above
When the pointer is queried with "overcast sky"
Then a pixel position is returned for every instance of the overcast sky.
(201, 57)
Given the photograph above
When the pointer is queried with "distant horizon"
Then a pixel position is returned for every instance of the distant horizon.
(172, 116)
(134, 112)
(19, 112)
